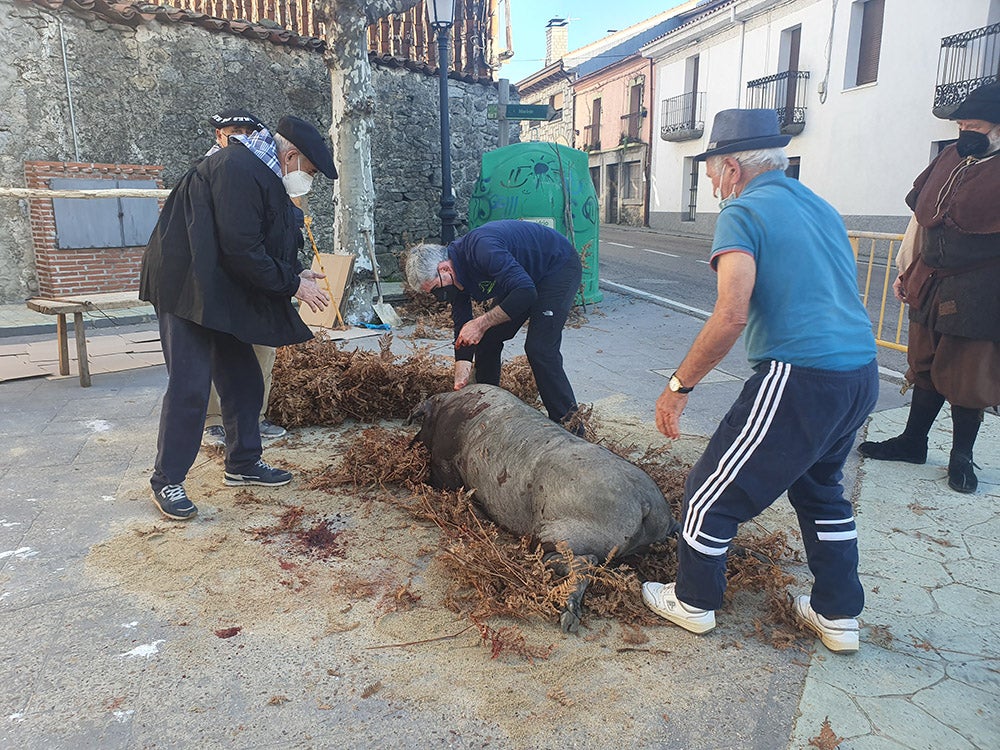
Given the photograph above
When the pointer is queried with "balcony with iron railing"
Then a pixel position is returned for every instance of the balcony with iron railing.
(683, 117)
(785, 93)
(592, 137)
(966, 62)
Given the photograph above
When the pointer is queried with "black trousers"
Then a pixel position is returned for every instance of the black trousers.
(547, 317)
(196, 356)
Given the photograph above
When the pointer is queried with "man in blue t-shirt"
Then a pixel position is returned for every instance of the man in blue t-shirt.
(786, 276)
(533, 273)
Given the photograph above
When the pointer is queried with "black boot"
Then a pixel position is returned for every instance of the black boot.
(911, 446)
(902, 448)
(961, 477)
(965, 429)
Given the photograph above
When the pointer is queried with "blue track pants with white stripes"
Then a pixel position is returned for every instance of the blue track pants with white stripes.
(791, 429)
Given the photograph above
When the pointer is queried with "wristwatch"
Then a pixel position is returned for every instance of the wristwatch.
(677, 386)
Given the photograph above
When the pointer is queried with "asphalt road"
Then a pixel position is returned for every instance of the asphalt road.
(676, 270)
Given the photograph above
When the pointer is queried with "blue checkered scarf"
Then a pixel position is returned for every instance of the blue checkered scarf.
(261, 144)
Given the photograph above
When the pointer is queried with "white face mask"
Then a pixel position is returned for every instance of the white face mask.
(297, 182)
(725, 201)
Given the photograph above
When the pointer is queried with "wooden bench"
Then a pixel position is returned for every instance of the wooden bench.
(78, 305)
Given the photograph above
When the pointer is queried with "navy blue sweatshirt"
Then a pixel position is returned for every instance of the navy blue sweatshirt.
(503, 260)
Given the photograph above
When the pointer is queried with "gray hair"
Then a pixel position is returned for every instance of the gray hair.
(283, 144)
(755, 162)
(994, 136)
(422, 263)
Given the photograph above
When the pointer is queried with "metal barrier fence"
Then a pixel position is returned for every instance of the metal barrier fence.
(876, 253)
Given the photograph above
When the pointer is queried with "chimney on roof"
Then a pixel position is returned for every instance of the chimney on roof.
(556, 40)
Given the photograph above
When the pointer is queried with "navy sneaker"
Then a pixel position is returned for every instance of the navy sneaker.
(173, 502)
(259, 473)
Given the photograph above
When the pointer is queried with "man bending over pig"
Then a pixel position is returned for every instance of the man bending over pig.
(534, 274)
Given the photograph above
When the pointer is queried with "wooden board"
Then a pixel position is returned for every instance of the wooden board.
(338, 269)
(106, 300)
(85, 302)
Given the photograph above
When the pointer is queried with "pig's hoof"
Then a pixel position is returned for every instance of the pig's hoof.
(569, 620)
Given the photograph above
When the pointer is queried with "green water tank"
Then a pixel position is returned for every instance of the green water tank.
(547, 183)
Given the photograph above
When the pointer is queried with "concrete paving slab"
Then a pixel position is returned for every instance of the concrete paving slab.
(929, 608)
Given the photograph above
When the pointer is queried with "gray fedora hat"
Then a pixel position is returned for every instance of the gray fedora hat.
(744, 130)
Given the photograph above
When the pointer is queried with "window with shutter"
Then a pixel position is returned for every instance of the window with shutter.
(595, 125)
(634, 111)
(870, 42)
(103, 222)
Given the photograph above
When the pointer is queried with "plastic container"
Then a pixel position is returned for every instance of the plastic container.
(547, 183)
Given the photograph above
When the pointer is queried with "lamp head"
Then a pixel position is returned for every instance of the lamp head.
(441, 12)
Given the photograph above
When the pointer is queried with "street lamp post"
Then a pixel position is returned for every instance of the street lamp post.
(442, 14)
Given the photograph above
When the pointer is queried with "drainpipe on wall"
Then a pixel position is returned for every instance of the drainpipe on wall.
(646, 172)
(739, 68)
(69, 91)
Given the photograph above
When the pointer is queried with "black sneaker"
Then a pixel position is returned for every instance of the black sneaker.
(259, 473)
(896, 449)
(173, 502)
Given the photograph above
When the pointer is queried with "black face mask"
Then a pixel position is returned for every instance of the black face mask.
(971, 143)
(445, 293)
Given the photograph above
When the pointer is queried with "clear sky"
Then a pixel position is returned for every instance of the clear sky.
(589, 20)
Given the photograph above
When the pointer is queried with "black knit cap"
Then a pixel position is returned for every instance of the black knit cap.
(309, 141)
(981, 104)
(229, 117)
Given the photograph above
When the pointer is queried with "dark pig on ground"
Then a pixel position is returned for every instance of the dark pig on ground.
(536, 479)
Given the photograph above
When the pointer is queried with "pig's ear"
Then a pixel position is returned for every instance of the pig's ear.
(419, 412)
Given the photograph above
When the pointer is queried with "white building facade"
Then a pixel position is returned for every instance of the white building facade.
(853, 81)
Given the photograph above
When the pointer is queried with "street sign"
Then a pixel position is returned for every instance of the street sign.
(523, 112)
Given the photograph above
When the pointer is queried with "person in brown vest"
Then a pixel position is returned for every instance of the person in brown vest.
(952, 289)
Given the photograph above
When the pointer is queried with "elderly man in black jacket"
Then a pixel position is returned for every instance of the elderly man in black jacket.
(220, 269)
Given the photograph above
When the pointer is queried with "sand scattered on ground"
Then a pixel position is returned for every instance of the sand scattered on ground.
(381, 588)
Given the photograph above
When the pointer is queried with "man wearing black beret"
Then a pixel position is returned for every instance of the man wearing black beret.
(233, 121)
(220, 269)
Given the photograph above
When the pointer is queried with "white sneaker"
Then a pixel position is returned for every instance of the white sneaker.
(660, 598)
(840, 636)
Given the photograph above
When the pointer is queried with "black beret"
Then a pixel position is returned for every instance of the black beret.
(309, 141)
(229, 117)
(981, 104)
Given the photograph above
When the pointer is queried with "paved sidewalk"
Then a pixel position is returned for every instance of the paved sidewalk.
(17, 320)
(86, 664)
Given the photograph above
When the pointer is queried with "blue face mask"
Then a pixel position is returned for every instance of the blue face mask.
(726, 201)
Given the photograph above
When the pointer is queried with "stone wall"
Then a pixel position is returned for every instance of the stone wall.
(406, 151)
(143, 95)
